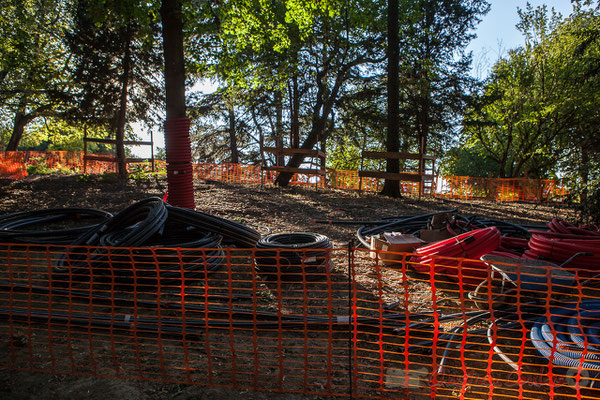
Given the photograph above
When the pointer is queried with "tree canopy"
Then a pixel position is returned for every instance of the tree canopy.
(537, 114)
(310, 74)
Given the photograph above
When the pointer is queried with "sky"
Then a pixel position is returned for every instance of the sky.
(496, 33)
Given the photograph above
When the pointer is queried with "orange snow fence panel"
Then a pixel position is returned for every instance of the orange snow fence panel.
(355, 329)
(13, 165)
(498, 189)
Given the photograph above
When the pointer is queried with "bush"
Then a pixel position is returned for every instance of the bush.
(41, 168)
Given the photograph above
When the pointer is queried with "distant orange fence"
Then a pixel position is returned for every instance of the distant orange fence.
(358, 328)
(501, 189)
(14, 165)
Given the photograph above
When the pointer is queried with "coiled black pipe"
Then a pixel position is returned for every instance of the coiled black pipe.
(180, 243)
(404, 225)
(232, 232)
(305, 256)
(16, 227)
(459, 223)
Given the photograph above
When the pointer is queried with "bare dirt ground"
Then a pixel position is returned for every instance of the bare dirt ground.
(268, 209)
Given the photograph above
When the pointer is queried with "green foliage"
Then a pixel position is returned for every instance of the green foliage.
(40, 167)
(434, 68)
(284, 65)
(101, 36)
(52, 134)
(362, 125)
(468, 161)
(344, 154)
(589, 208)
(538, 113)
(142, 172)
(160, 154)
(314, 69)
(33, 61)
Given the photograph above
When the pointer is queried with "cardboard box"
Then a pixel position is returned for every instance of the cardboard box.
(438, 221)
(395, 242)
(430, 236)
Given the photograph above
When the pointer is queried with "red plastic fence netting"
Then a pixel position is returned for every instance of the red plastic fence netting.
(357, 328)
(13, 165)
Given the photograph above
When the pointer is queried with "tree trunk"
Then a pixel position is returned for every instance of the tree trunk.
(319, 123)
(424, 128)
(584, 172)
(392, 187)
(181, 188)
(21, 120)
(232, 136)
(122, 115)
(280, 161)
(295, 114)
(172, 31)
(283, 179)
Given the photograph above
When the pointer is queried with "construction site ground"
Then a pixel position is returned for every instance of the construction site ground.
(268, 209)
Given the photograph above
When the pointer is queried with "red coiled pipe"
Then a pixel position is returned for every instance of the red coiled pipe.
(470, 245)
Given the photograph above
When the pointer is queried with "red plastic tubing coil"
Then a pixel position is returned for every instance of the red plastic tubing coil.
(560, 249)
(180, 171)
(470, 245)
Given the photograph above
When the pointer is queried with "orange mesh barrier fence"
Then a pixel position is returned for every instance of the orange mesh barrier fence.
(513, 189)
(240, 173)
(237, 173)
(349, 179)
(61, 161)
(13, 165)
(357, 328)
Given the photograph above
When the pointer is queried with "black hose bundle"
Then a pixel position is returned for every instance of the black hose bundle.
(17, 227)
(305, 256)
(404, 225)
(143, 224)
(188, 242)
(456, 224)
(232, 232)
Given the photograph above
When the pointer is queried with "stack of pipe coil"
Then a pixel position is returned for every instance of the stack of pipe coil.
(471, 245)
(188, 242)
(472, 237)
(562, 241)
(19, 227)
(304, 256)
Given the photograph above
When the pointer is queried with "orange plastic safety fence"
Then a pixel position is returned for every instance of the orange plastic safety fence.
(356, 328)
(13, 165)
(513, 189)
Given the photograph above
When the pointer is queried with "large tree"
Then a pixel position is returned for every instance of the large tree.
(392, 186)
(538, 114)
(34, 60)
(117, 66)
(434, 68)
(303, 53)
